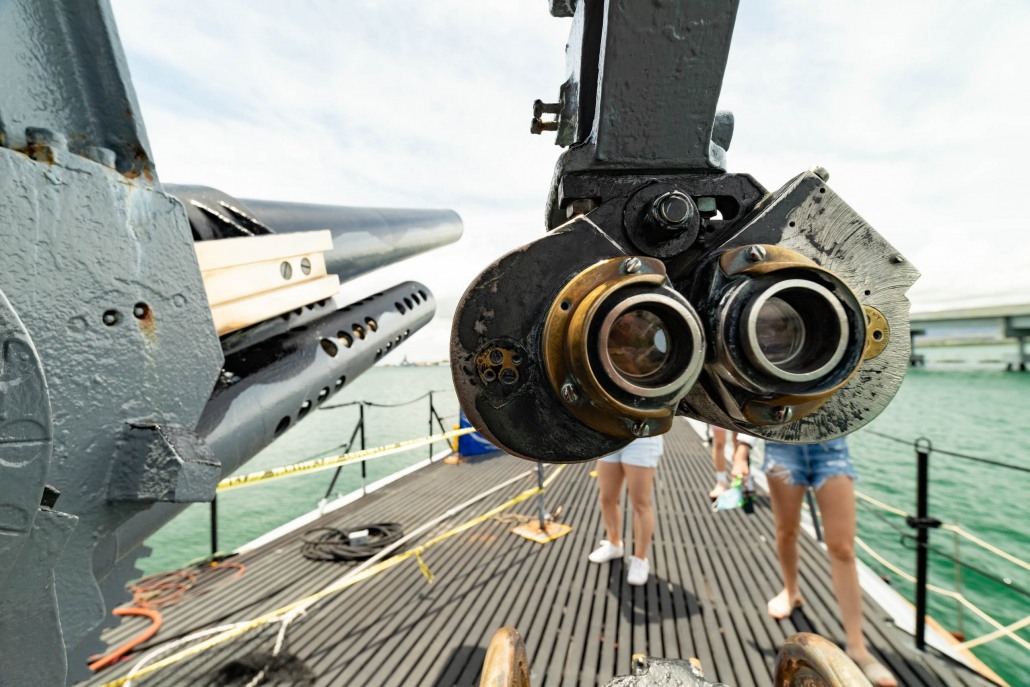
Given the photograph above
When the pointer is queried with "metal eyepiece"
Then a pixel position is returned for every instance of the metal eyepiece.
(795, 330)
(628, 341)
(648, 345)
(788, 334)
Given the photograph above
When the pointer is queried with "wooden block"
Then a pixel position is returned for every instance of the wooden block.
(221, 253)
(244, 312)
(232, 283)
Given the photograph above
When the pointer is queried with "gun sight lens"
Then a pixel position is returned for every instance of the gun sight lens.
(638, 344)
(781, 331)
(796, 330)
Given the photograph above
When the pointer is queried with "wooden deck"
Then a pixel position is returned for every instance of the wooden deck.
(711, 576)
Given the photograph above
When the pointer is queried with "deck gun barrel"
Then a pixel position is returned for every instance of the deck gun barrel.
(666, 285)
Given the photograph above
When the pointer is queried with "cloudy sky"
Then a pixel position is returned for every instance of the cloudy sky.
(919, 109)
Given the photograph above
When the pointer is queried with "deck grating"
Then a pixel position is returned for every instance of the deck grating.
(711, 577)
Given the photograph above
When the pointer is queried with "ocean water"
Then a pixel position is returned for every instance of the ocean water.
(963, 401)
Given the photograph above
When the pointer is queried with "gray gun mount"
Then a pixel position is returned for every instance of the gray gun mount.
(666, 285)
(118, 401)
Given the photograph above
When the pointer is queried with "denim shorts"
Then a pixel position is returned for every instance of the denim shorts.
(808, 465)
(641, 453)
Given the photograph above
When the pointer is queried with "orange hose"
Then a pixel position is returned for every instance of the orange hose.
(155, 625)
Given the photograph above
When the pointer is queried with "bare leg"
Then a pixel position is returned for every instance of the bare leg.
(786, 506)
(609, 486)
(640, 482)
(719, 449)
(837, 505)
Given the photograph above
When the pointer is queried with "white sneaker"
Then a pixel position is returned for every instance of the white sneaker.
(639, 569)
(606, 552)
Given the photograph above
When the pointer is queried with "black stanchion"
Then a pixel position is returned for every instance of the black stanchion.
(364, 463)
(922, 524)
(214, 526)
(814, 513)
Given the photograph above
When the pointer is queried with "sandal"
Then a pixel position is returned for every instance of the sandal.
(780, 607)
(876, 672)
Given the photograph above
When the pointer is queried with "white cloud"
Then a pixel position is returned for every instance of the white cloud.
(918, 109)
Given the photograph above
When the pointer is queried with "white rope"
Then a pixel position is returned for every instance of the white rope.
(1001, 630)
(952, 528)
(990, 547)
(991, 636)
(279, 641)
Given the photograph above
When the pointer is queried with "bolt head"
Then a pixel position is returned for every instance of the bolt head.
(673, 210)
(756, 253)
(631, 265)
(568, 393)
(820, 172)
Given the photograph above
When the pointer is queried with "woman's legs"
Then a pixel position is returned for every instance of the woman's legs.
(786, 505)
(640, 482)
(609, 486)
(719, 462)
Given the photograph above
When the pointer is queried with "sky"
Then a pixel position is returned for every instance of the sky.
(918, 109)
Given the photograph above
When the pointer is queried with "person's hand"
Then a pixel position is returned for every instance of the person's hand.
(740, 466)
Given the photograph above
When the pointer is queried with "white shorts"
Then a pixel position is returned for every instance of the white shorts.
(642, 453)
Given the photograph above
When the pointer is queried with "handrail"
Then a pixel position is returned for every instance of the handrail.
(953, 454)
(1000, 630)
(952, 528)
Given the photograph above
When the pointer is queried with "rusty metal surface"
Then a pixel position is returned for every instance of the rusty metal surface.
(808, 660)
(505, 664)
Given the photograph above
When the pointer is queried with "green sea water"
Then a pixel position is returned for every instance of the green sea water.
(962, 401)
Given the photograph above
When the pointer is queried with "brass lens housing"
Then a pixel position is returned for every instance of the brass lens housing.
(621, 347)
(788, 334)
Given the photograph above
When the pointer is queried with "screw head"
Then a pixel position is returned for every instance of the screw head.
(285, 269)
(756, 253)
(631, 265)
(568, 393)
(111, 318)
(641, 429)
(782, 413)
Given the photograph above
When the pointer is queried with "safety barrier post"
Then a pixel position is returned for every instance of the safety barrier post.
(432, 412)
(815, 515)
(541, 511)
(922, 524)
(214, 526)
(364, 463)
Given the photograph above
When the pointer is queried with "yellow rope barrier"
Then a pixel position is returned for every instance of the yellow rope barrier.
(335, 461)
(1001, 630)
(306, 602)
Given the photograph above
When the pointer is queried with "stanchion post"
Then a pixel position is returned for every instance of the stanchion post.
(432, 411)
(922, 524)
(815, 514)
(361, 426)
(541, 510)
(214, 526)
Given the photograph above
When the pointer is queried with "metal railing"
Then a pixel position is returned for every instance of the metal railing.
(339, 460)
(923, 523)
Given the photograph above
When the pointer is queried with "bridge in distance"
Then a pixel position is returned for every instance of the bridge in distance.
(987, 324)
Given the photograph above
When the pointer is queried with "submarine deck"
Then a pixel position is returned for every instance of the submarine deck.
(711, 576)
